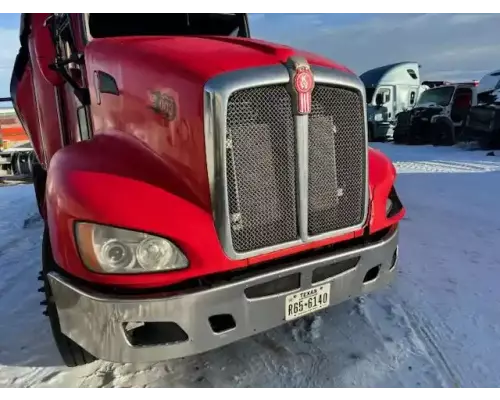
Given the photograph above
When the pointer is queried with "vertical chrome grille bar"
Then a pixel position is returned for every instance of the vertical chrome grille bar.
(302, 148)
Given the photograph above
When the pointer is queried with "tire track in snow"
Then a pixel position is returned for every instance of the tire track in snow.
(427, 335)
(426, 340)
(438, 166)
(419, 334)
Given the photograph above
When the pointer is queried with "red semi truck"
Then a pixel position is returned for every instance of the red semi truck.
(197, 186)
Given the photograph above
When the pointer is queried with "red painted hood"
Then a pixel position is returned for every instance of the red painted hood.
(206, 56)
(176, 67)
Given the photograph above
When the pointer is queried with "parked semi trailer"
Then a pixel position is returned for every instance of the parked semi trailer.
(197, 186)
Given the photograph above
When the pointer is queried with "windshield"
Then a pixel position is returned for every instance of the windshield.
(440, 96)
(111, 25)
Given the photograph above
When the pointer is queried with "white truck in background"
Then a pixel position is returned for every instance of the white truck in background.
(390, 90)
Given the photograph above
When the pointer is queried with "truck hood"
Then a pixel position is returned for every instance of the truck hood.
(204, 56)
(151, 77)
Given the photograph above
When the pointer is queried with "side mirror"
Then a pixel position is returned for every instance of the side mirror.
(379, 99)
(46, 55)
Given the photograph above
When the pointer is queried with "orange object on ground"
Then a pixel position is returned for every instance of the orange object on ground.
(11, 131)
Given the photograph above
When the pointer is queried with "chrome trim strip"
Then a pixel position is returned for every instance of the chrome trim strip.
(44, 162)
(302, 141)
(86, 36)
(63, 131)
(216, 95)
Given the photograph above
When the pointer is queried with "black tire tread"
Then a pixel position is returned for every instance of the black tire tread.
(39, 176)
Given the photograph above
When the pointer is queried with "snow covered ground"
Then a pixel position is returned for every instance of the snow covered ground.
(437, 325)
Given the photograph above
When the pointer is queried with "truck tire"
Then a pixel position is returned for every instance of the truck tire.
(442, 135)
(39, 178)
(399, 136)
(413, 139)
(71, 353)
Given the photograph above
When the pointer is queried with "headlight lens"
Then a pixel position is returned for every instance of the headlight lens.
(110, 250)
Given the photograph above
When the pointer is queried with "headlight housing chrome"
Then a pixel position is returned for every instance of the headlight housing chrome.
(109, 250)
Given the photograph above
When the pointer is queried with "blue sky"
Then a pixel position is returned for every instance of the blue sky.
(448, 46)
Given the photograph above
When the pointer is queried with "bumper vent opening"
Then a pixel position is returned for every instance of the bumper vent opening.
(323, 273)
(276, 286)
(372, 274)
(222, 323)
(154, 333)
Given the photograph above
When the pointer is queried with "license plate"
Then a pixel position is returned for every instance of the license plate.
(425, 119)
(307, 301)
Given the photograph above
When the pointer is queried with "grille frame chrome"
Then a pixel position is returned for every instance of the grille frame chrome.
(217, 92)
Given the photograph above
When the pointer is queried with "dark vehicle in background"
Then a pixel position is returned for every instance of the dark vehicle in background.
(438, 117)
(483, 122)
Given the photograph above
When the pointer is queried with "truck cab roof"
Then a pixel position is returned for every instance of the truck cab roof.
(397, 73)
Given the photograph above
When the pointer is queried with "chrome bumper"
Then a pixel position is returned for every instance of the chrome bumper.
(99, 322)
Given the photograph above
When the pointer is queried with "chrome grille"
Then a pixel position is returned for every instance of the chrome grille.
(261, 168)
(337, 160)
(264, 195)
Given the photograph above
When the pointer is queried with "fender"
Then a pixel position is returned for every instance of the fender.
(114, 179)
(382, 177)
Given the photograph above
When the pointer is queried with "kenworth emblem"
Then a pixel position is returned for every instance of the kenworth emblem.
(301, 84)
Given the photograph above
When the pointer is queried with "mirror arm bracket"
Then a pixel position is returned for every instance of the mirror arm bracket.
(83, 94)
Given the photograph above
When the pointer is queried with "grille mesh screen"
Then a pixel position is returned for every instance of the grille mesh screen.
(261, 164)
(260, 161)
(337, 163)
